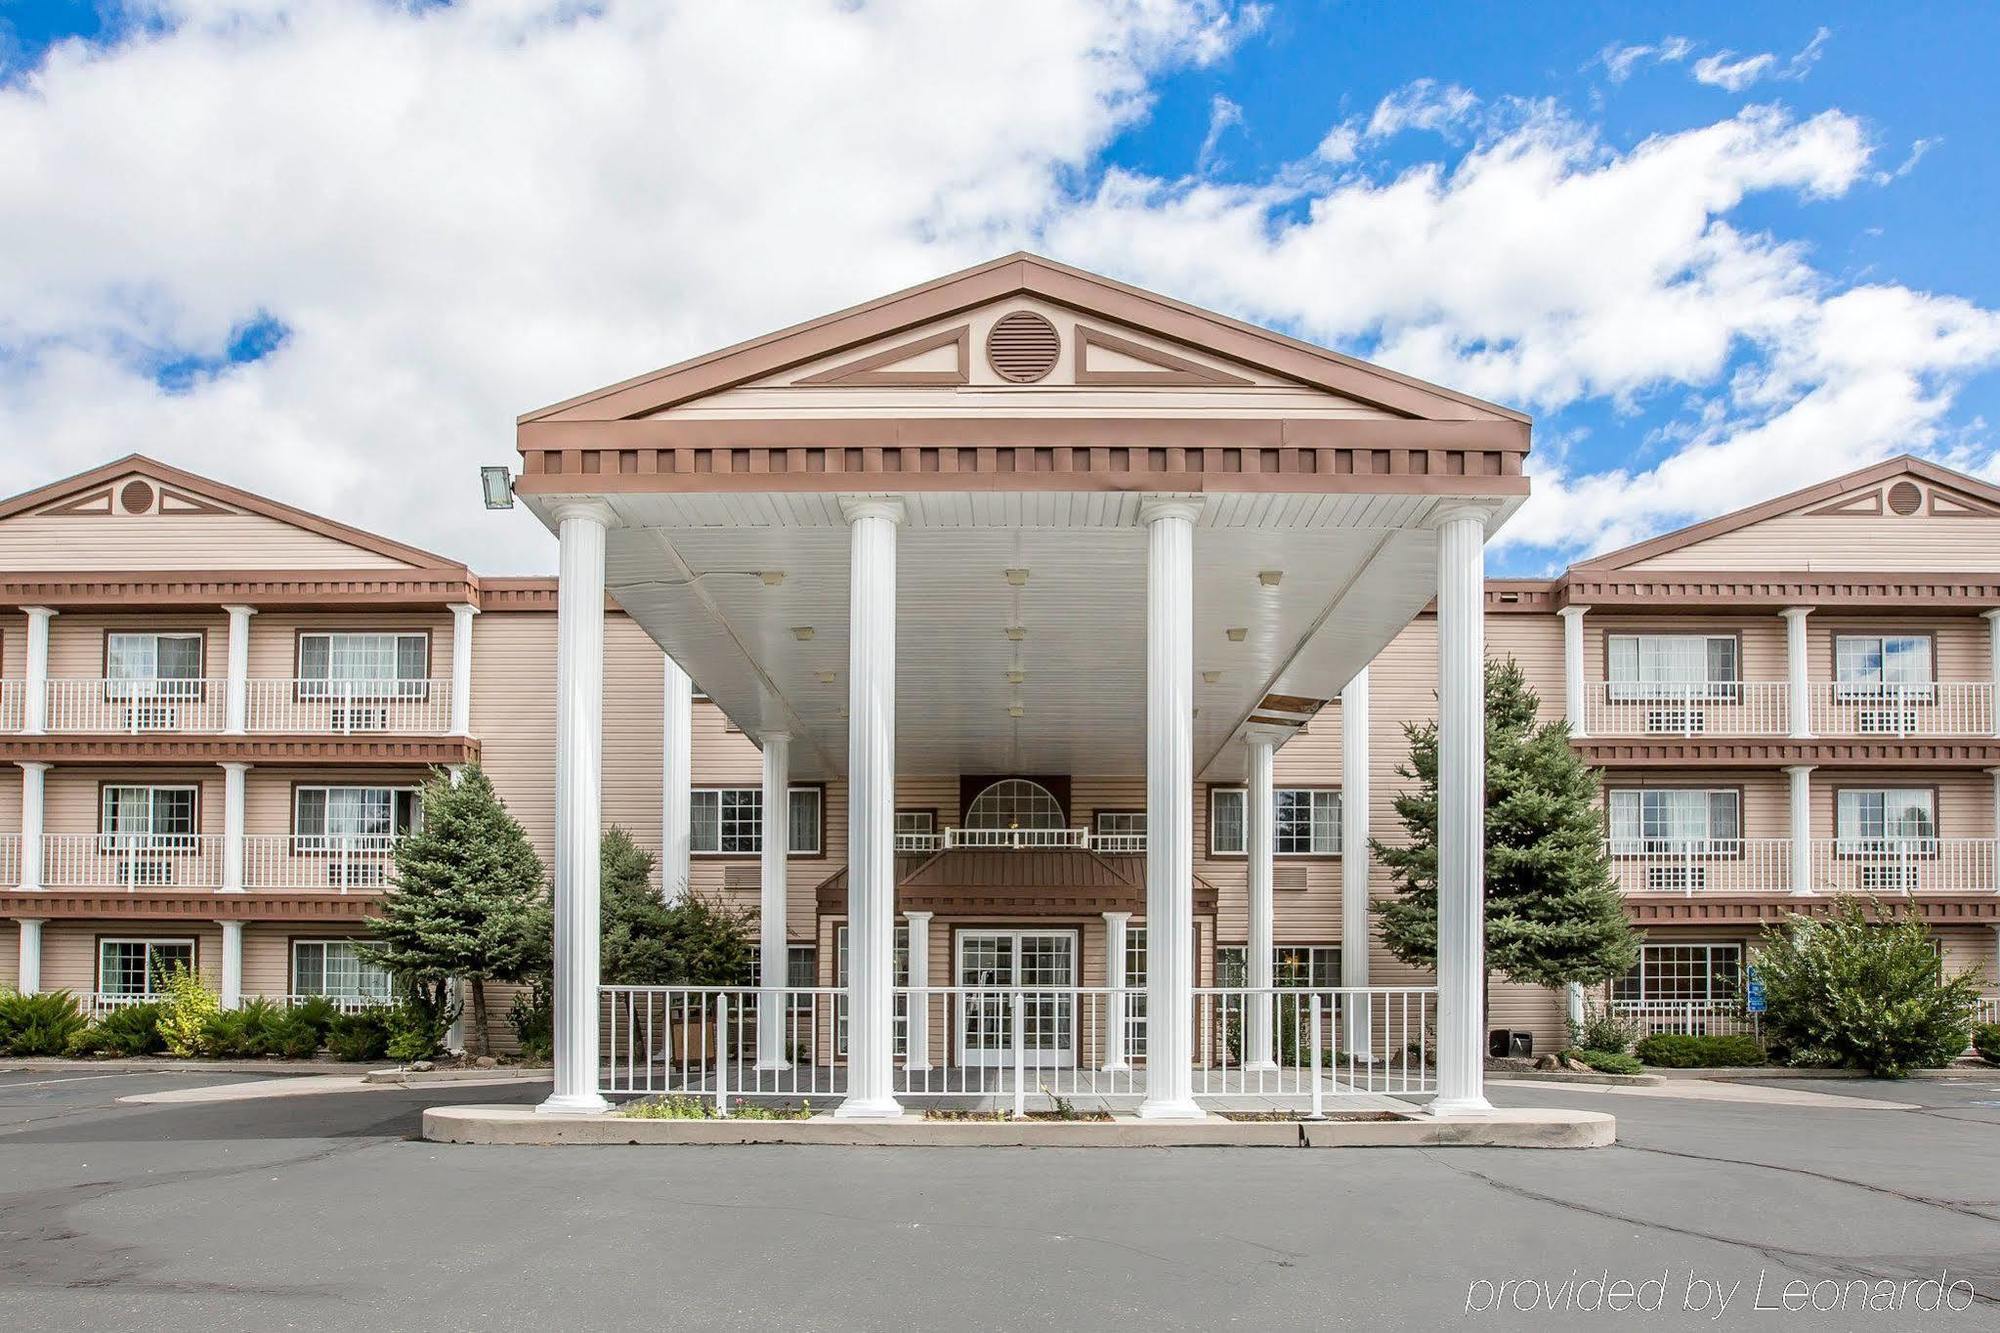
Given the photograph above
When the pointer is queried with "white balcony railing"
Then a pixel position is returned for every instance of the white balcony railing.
(1939, 708)
(1691, 1018)
(1021, 838)
(1715, 865)
(1903, 865)
(98, 706)
(137, 862)
(10, 860)
(301, 863)
(1711, 708)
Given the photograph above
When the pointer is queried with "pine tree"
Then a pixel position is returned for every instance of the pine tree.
(649, 942)
(1553, 912)
(466, 899)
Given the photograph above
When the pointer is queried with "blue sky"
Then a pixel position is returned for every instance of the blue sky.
(1718, 251)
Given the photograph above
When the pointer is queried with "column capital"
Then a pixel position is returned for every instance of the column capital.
(1267, 734)
(853, 508)
(39, 612)
(582, 506)
(1450, 511)
(1568, 612)
(1153, 508)
(1796, 612)
(228, 923)
(462, 608)
(1117, 918)
(31, 921)
(1799, 770)
(918, 918)
(235, 766)
(33, 765)
(239, 609)
(767, 737)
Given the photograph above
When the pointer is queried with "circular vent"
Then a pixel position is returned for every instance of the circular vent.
(1022, 347)
(1904, 497)
(136, 498)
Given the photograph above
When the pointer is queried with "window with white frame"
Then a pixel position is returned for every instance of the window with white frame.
(1293, 966)
(1868, 665)
(1672, 666)
(900, 972)
(1120, 823)
(353, 818)
(729, 821)
(1885, 819)
(140, 967)
(1015, 803)
(1305, 821)
(147, 817)
(153, 666)
(916, 823)
(1668, 974)
(337, 970)
(364, 665)
(1696, 820)
(1135, 984)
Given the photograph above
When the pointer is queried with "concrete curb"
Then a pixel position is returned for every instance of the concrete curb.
(1572, 1076)
(165, 1064)
(1787, 1071)
(519, 1126)
(417, 1078)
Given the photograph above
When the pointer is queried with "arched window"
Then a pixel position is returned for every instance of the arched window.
(1015, 803)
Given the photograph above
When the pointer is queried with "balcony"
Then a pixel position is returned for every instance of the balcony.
(1875, 867)
(1079, 839)
(271, 706)
(138, 862)
(1836, 709)
(1715, 865)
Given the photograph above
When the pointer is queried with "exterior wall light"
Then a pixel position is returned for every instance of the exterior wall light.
(497, 485)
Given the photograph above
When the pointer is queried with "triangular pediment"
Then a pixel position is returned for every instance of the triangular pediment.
(139, 513)
(1899, 514)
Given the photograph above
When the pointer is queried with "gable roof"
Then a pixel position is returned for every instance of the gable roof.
(1016, 275)
(209, 489)
(1681, 538)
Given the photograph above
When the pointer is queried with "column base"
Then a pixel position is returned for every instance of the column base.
(1261, 1067)
(772, 1067)
(923, 1068)
(582, 1103)
(1443, 1110)
(1115, 1067)
(879, 1108)
(1166, 1110)
(1804, 893)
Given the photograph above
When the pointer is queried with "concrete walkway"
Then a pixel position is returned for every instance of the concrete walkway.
(1732, 1091)
(304, 1086)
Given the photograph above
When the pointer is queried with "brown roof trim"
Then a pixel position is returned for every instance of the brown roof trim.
(1016, 275)
(1725, 591)
(1746, 910)
(1655, 547)
(416, 588)
(1517, 597)
(124, 904)
(228, 495)
(429, 751)
(1648, 752)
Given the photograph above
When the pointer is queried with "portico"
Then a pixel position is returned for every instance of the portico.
(1025, 521)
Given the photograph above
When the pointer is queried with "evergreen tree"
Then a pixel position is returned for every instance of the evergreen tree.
(633, 950)
(1553, 913)
(466, 899)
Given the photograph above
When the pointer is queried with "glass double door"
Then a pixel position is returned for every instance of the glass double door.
(1043, 964)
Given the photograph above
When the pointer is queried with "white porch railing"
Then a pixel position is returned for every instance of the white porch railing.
(1714, 865)
(1004, 1045)
(1938, 708)
(1987, 1010)
(132, 861)
(99, 706)
(134, 707)
(1711, 708)
(1693, 1018)
(402, 707)
(1021, 838)
(13, 697)
(298, 863)
(100, 1003)
(346, 1004)
(10, 860)
(1904, 865)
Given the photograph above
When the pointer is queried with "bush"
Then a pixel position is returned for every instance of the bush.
(1602, 1030)
(417, 1031)
(1986, 1040)
(131, 1030)
(186, 1012)
(1608, 1062)
(45, 1024)
(317, 1013)
(1857, 993)
(533, 1015)
(362, 1035)
(1676, 1050)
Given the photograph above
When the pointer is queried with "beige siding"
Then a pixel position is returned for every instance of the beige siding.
(77, 639)
(274, 651)
(71, 803)
(176, 542)
(1760, 644)
(1859, 544)
(69, 948)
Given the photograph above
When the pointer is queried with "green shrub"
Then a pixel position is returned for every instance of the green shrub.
(1676, 1050)
(1986, 1040)
(186, 1012)
(294, 1035)
(257, 1029)
(417, 1031)
(362, 1035)
(132, 1029)
(1856, 993)
(317, 1013)
(533, 1015)
(46, 1024)
(1602, 1030)
(1608, 1062)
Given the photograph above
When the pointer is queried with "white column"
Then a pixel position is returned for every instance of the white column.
(871, 805)
(777, 840)
(30, 980)
(1996, 959)
(33, 786)
(1169, 807)
(1461, 809)
(1258, 847)
(579, 801)
(1576, 690)
(232, 964)
(1993, 668)
(1115, 1055)
(1573, 1004)
(919, 1058)
(1355, 860)
(236, 691)
(676, 776)
(35, 708)
(461, 668)
(1798, 671)
(232, 826)
(1801, 847)
(1994, 773)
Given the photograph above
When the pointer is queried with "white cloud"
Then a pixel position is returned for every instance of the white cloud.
(1728, 71)
(1222, 115)
(1424, 104)
(1619, 59)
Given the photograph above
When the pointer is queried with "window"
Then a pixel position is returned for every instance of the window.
(153, 666)
(916, 822)
(1675, 819)
(371, 817)
(336, 969)
(153, 818)
(1293, 966)
(1866, 665)
(1305, 821)
(1672, 666)
(901, 978)
(1682, 974)
(140, 967)
(1015, 803)
(1889, 818)
(364, 666)
(729, 821)
(1119, 830)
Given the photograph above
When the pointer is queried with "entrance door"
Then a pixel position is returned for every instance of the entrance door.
(1043, 964)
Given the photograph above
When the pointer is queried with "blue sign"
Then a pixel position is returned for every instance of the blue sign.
(1753, 993)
